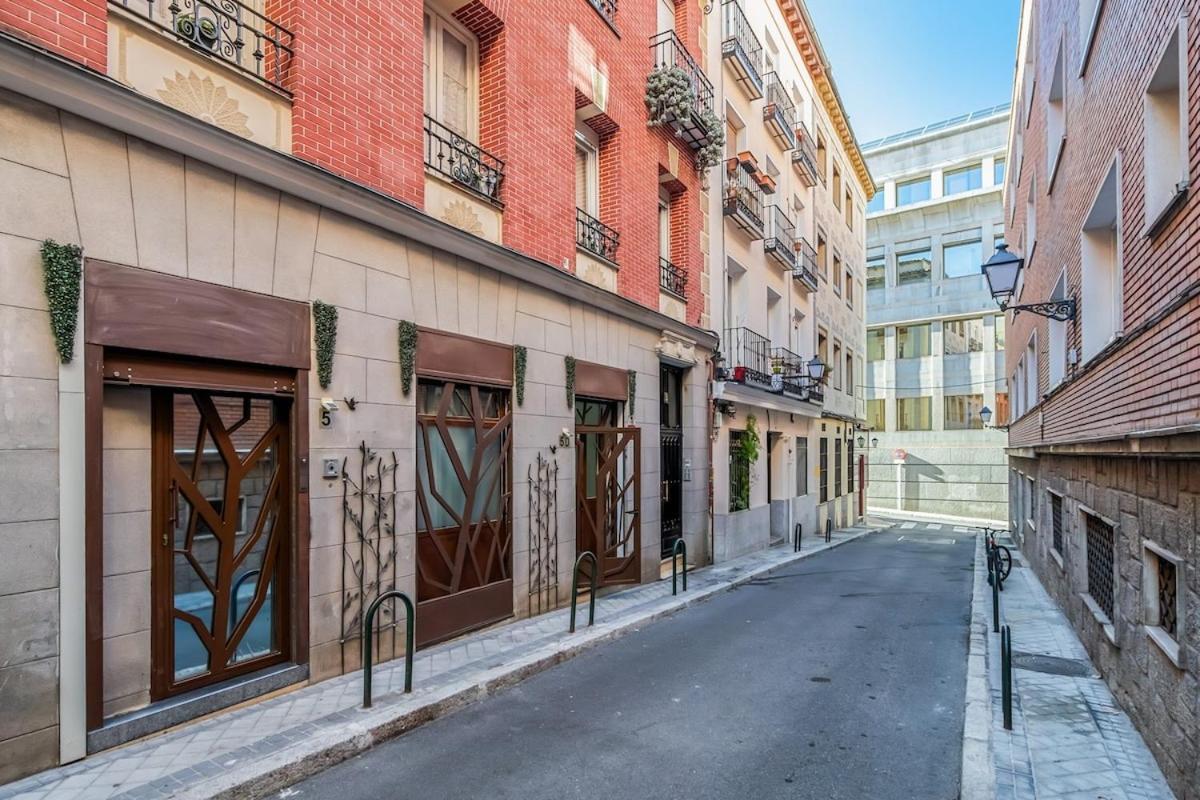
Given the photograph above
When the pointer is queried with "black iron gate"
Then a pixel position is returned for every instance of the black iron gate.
(671, 454)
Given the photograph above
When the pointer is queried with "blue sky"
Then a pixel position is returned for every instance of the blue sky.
(901, 64)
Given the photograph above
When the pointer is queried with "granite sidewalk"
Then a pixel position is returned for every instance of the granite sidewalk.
(1070, 740)
(260, 748)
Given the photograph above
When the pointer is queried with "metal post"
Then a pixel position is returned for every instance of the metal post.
(995, 606)
(828, 529)
(796, 540)
(575, 588)
(410, 621)
(1006, 674)
(679, 545)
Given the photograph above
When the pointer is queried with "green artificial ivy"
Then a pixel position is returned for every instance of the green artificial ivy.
(669, 95)
(751, 441)
(520, 355)
(408, 356)
(62, 268)
(325, 337)
(632, 392)
(569, 362)
(711, 154)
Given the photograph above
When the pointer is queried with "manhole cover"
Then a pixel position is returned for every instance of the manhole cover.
(1052, 665)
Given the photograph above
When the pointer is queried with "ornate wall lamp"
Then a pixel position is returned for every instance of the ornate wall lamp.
(1002, 271)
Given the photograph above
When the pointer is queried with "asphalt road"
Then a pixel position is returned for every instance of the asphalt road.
(841, 676)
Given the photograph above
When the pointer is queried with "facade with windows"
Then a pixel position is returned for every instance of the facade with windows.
(935, 342)
(342, 322)
(786, 280)
(1102, 444)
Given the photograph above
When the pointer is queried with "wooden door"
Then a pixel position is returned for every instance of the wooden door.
(608, 492)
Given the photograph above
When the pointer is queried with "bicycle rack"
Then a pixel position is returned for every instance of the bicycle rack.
(828, 530)
(1006, 676)
(233, 603)
(796, 538)
(995, 596)
(679, 545)
(410, 621)
(575, 588)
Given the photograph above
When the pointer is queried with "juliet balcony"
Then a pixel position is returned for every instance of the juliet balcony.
(779, 242)
(804, 157)
(595, 237)
(747, 357)
(694, 122)
(779, 113)
(741, 50)
(464, 163)
(743, 197)
(672, 279)
(805, 271)
(789, 376)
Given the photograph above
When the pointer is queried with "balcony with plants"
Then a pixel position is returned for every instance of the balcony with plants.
(789, 376)
(743, 196)
(741, 49)
(780, 240)
(805, 271)
(804, 156)
(779, 113)
(679, 96)
(747, 357)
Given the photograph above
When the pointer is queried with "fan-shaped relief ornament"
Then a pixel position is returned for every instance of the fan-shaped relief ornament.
(202, 98)
(459, 214)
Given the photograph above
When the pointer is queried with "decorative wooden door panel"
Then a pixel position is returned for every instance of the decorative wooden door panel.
(222, 509)
(608, 499)
(464, 492)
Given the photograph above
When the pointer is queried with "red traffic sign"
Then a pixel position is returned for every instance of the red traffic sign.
(899, 454)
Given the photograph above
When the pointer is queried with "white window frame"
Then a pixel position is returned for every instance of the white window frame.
(1151, 553)
(589, 145)
(1056, 335)
(1088, 300)
(1163, 193)
(1031, 372)
(438, 23)
(1089, 21)
(1057, 89)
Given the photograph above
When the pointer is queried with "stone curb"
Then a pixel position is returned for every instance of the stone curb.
(392, 716)
(978, 781)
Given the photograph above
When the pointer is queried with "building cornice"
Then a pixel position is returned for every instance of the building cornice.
(804, 32)
(63, 84)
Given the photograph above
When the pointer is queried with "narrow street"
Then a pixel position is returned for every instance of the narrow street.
(841, 676)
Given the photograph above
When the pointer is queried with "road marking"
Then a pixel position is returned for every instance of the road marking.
(908, 526)
(933, 526)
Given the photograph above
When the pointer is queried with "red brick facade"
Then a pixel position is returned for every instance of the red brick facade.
(356, 80)
(1149, 379)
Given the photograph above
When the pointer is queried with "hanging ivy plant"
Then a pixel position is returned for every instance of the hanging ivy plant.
(408, 357)
(520, 354)
(324, 336)
(569, 363)
(632, 392)
(62, 270)
(669, 96)
(749, 443)
(711, 154)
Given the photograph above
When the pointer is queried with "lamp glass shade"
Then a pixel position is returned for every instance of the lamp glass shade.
(1001, 271)
(861, 441)
(985, 414)
(875, 442)
(816, 368)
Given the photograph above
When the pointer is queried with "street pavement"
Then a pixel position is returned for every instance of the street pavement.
(839, 676)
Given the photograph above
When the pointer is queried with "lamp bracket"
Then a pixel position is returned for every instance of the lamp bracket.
(1061, 310)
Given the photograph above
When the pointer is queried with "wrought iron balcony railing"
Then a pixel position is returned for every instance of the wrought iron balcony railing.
(748, 357)
(594, 236)
(462, 161)
(789, 376)
(779, 113)
(672, 279)
(669, 53)
(249, 42)
(743, 200)
(606, 9)
(804, 157)
(805, 270)
(780, 240)
(742, 50)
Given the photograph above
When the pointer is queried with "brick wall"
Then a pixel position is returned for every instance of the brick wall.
(1151, 378)
(72, 28)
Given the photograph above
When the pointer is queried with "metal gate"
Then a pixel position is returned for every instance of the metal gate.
(608, 500)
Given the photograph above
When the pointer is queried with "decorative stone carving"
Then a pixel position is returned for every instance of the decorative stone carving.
(677, 349)
(459, 214)
(202, 98)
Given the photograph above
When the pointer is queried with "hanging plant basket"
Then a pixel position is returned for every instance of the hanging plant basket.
(408, 355)
(324, 337)
(62, 271)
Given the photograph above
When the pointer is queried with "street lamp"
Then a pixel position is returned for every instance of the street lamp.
(861, 441)
(1002, 271)
(985, 414)
(816, 369)
(875, 442)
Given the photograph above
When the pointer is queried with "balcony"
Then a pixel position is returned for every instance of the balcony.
(696, 127)
(464, 163)
(805, 270)
(607, 9)
(779, 115)
(748, 357)
(226, 30)
(789, 376)
(741, 50)
(671, 279)
(594, 236)
(780, 240)
(743, 200)
(804, 157)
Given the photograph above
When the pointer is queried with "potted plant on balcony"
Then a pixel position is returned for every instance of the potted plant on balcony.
(776, 374)
(765, 182)
(669, 97)
(198, 30)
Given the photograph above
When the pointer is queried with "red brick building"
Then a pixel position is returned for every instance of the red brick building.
(433, 259)
(1103, 441)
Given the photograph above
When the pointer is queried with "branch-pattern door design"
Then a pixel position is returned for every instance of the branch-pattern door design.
(608, 494)
(464, 535)
(222, 504)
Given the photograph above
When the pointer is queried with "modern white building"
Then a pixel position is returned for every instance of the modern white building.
(935, 338)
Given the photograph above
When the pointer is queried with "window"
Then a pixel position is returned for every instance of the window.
(835, 366)
(877, 415)
(1056, 115)
(962, 180)
(912, 341)
(1100, 544)
(876, 338)
(876, 272)
(837, 273)
(850, 374)
(1100, 251)
(1000, 415)
(876, 202)
(664, 227)
(914, 191)
(914, 414)
(1031, 498)
(1030, 233)
(801, 466)
(451, 60)
(1162, 600)
(587, 183)
(962, 412)
(1056, 337)
(849, 289)
(837, 466)
(1089, 20)
(998, 172)
(1164, 113)
(850, 464)
(999, 331)
(962, 336)
(823, 468)
(962, 260)
(1031, 374)
(666, 15)
(914, 267)
(848, 205)
(739, 473)
(822, 255)
(822, 156)
(1056, 523)
(835, 188)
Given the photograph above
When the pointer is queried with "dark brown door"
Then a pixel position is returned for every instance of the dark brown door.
(222, 510)
(671, 456)
(464, 492)
(608, 492)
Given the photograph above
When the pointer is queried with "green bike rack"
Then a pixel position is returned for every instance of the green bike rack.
(410, 621)
(575, 588)
(679, 545)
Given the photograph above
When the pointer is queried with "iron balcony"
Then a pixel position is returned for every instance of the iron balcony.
(594, 236)
(606, 9)
(671, 279)
(780, 240)
(669, 52)
(779, 113)
(743, 203)
(748, 357)
(741, 50)
(805, 270)
(467, 164)
(789, 376)
(804, 157)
